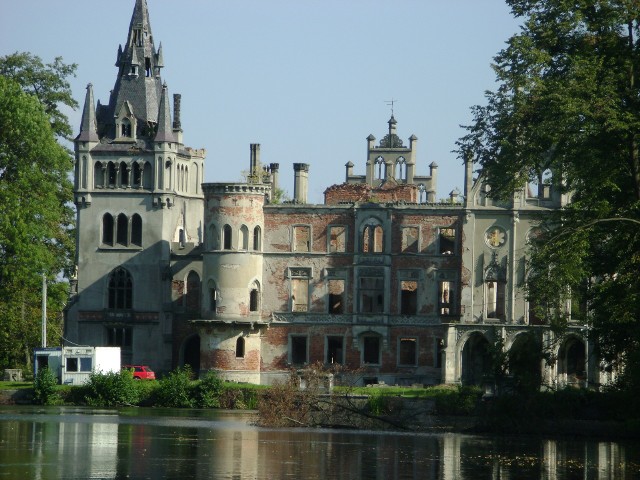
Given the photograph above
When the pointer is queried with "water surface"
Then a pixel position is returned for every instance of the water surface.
(138, 443)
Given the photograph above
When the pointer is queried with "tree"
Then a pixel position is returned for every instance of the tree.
(568, 102)
(48, 83)
(35, 220)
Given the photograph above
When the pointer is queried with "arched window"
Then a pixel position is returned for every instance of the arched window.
(122, 230)
(124, 174)
(254, 297)
(244, 237)
(147, 176)
(137, 175)
(256, 239)
(240, 347)
(196, 183)
(120, 290)
(422, 194)
(136, 230)
(373, 238)
(213, 296)
(98, 175)
(380, 169)
(125, 128)
(186, 179)
(212, 237)
(111, 174)
(192, 298)
(83, 182)
(401, 168)
(107, 229)
(226, 234)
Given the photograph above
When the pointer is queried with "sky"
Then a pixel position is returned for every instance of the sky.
(308, 80)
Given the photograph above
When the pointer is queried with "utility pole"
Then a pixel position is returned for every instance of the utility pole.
(44, 311)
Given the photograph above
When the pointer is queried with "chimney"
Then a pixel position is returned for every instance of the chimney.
(255, 173)
(177, 125)
(274, 167)
(300, 182)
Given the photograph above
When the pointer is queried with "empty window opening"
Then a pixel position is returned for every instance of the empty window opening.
(422, 194)
(213, 297)
(136, 230)
(337, 239)
(439, 351)
(446, 241)
(226, 233)
(125, 128)
(495, 299)
(371, 350)
(298, 349)
(119, 336)
(107, 229)
(124, 175)
(98, 175)
(401, 168)
(192, 298)
(335, 350)
(408, 297)
(72, 364)
(408, 351)
(300, 294)
(254, 299)
(380, 169)
(120, 289)
(240, 347)
(302, 239)
(371, 295)
(256, 239)
(444, 298)
(336, 296)
(147, 66)
(244, 237)
(372, 239)
(122, 228)
(111, 174)
(137, 175)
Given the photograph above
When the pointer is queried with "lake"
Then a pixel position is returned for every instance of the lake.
(140, 443)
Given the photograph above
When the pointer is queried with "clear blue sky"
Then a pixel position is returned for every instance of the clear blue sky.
(307, 79)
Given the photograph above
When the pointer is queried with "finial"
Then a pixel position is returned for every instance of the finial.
(390, 103)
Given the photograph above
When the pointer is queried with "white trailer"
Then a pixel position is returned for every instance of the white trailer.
(78, 363)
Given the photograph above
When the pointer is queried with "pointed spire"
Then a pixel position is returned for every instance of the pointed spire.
(159, 58)
(165, 132)
(119, 58)
(138, 80)
(88, 132)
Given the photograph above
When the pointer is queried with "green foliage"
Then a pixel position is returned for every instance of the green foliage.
(209, 390)
(46, 82)
(36, 216)
(568, 102)
(44, 388)
(461, 400)
(176, 389)
(112, 389)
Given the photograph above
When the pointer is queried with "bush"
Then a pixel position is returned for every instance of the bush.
(209, 390)
(175, 390)
(44, 388)
(111, 389)
(459, 401)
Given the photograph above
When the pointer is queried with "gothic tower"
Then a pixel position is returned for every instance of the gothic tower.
(139, 205)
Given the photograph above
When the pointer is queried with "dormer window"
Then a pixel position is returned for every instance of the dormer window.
(134, 70)
(125, 128)
(147, 66)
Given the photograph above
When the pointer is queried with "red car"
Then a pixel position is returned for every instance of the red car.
(140, 372)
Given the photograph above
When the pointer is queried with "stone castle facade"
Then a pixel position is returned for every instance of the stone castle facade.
(380, 280)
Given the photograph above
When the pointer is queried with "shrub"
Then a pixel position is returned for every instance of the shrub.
(209, 390)
(175, 389)
(111, 389)
(460, 401)
(44, 388)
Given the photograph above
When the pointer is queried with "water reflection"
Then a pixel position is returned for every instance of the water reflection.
(56, 443)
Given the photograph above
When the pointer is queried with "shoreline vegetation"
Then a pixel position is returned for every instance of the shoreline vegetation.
(442, 408)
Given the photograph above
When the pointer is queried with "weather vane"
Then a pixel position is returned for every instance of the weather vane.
(391, 102)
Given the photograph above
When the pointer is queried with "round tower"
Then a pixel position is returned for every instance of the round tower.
(232, 259)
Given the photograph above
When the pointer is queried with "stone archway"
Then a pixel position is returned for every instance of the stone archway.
(191, 353)
(572, 362)
(525, 362)
(476, 361)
